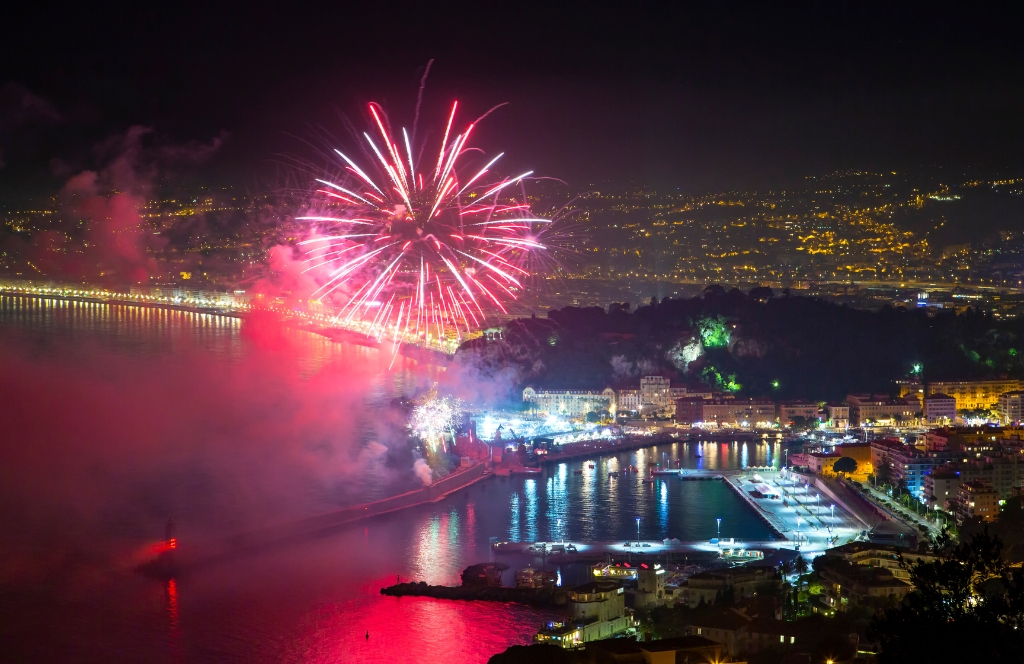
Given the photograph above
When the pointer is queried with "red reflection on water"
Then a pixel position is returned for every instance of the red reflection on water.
(174, 621)
(470, 522)
(413, 629)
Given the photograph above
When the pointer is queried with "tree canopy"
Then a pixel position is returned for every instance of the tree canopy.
(845, 465)
(966, 606)
(787, 347)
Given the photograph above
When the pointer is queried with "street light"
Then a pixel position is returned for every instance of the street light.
(638, 531)
(719, 520)
(833, 516)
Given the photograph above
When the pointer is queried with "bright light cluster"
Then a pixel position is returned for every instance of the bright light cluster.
(434, 418)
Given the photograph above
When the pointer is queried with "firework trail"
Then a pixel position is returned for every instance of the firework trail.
(434, 418)
(420, 251)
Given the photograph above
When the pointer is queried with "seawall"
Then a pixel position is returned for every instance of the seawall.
(547, 598)
(303, 528)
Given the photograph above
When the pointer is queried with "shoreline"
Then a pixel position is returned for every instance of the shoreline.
(335, 334)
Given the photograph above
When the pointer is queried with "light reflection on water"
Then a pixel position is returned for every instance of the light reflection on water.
(314, 601)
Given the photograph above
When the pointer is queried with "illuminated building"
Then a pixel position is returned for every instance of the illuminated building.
(976, 500)
(972, 394)
(1011, 407)
(597, 610)
(690, 410)
(788, 411)
(738, 412)
(907, 463)
(880, 409)
(939, 409)
(838, 416)
(628, 401)
(821, 461)
(655, 392)
(571, 403)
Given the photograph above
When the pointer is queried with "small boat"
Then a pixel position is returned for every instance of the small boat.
(591, 466)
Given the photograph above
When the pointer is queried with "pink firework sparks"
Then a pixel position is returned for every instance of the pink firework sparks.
(420, 252)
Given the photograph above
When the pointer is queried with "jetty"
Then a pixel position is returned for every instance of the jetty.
(541, 597)
(210, 552)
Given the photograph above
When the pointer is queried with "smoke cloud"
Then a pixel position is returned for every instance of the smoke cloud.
(423, 472)
(101, 446)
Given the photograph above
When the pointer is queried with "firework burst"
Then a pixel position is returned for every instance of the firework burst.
(434, 418)
(424, 250)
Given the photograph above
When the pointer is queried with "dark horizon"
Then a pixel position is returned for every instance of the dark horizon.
(703, 98)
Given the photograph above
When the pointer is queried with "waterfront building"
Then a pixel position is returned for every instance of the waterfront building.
(597, 610)
(838, 415)
(819, 462)
(880, 409)
(861, 453)
(730, 412)
(972, 394)
(939, 409)
(571, 403)
(655, 393)
(977, 500)
(628, 401)
(787, 412)
(690, 410)
(1010, 407)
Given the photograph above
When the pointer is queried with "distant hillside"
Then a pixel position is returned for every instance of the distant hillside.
(758, 344)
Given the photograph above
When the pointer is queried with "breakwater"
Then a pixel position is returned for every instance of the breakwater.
(600, 448)
(321, 523)
(541, 597)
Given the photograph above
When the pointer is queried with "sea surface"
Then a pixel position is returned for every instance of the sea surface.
(222, 428)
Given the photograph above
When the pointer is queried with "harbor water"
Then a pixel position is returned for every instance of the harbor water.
(118, 417)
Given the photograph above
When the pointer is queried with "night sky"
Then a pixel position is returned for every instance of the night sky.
(709, 95)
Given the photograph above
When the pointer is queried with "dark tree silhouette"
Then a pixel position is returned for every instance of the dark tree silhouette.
(967, 606)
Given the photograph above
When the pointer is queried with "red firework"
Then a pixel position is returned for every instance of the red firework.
(420, 252)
